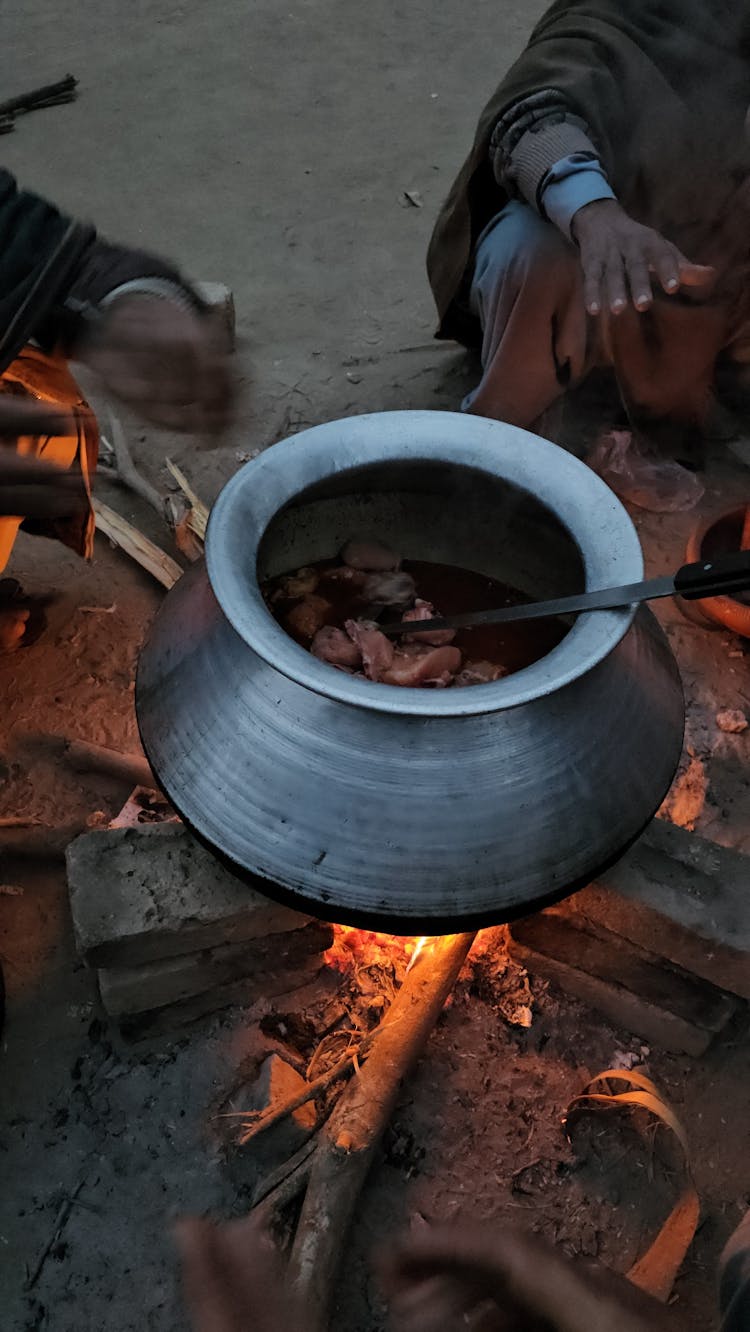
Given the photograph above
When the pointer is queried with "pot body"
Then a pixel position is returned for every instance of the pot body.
(417, 811)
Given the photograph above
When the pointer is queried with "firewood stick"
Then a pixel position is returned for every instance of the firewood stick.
(307, 1093)
(349, 1140)
(198, 516)
(132, 768)
(39, 843)
(745, 541)
(127, 537)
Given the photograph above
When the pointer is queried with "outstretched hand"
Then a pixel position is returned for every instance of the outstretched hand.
(234, 1279)
(168, 363)
(471, 1277)
(620, 258)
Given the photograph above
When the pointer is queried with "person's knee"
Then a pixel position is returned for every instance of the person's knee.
(521, 244)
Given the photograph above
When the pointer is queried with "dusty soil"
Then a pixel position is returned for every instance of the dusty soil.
(271, 150)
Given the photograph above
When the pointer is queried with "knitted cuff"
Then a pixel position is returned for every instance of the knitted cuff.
(538, 151)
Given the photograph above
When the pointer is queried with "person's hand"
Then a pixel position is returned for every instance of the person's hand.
(29, 487)
(619, 258)
(26, 416)
(450, 1277)
(168, 363)
(234, 1279)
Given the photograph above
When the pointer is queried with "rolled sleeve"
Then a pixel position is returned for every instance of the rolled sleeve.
(571, 184)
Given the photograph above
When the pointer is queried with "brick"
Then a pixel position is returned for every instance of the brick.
(686, 894)
(126, 991)
(633, 988)
(140, 894)
(242, 993)
(639, 924)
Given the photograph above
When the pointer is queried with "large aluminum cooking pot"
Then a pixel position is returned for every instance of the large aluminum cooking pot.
(412, 810)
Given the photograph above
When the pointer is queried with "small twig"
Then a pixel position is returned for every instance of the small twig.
(281, 1176)
(60, 1220)
(49, 95)
(312, 1089)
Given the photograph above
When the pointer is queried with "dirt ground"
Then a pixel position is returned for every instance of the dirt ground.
(270, 148)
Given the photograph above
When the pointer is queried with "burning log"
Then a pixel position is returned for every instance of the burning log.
(336, 1169)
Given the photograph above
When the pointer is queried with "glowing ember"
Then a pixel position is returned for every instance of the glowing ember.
(353, 947)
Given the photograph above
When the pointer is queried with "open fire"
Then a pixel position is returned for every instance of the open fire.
(355, 948)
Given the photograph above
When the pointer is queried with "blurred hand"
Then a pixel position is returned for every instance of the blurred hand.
(619, 257)
(450, 1278)
(25, 416)
(234, 1279)
(165, 362)
(30, 488)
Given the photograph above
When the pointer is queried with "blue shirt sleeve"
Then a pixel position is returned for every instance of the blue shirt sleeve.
(571, 184)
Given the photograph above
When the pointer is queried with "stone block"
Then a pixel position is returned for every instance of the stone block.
(634, 989)
(145, 893)
(684, 897)
(244, 994)
(126, 991)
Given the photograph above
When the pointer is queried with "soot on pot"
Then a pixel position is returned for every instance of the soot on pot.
(332, 608)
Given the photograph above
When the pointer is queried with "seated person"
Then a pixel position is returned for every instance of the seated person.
(128, 315)
(601, 218)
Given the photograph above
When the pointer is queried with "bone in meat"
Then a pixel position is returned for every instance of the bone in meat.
(376, 649)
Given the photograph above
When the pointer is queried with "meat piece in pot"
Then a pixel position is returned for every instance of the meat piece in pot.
(478, 673)
(413, 668)
(389, 589)
(372, 555)
(337, 648)
(341, 576)
(375, 648)
(308, 616)
(424, 610)
(293, 586)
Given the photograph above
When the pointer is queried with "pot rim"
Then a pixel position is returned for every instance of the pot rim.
(578, 498)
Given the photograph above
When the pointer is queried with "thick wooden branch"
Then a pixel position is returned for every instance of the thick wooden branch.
(348, 1141)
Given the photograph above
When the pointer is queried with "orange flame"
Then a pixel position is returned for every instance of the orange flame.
(352, 946)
